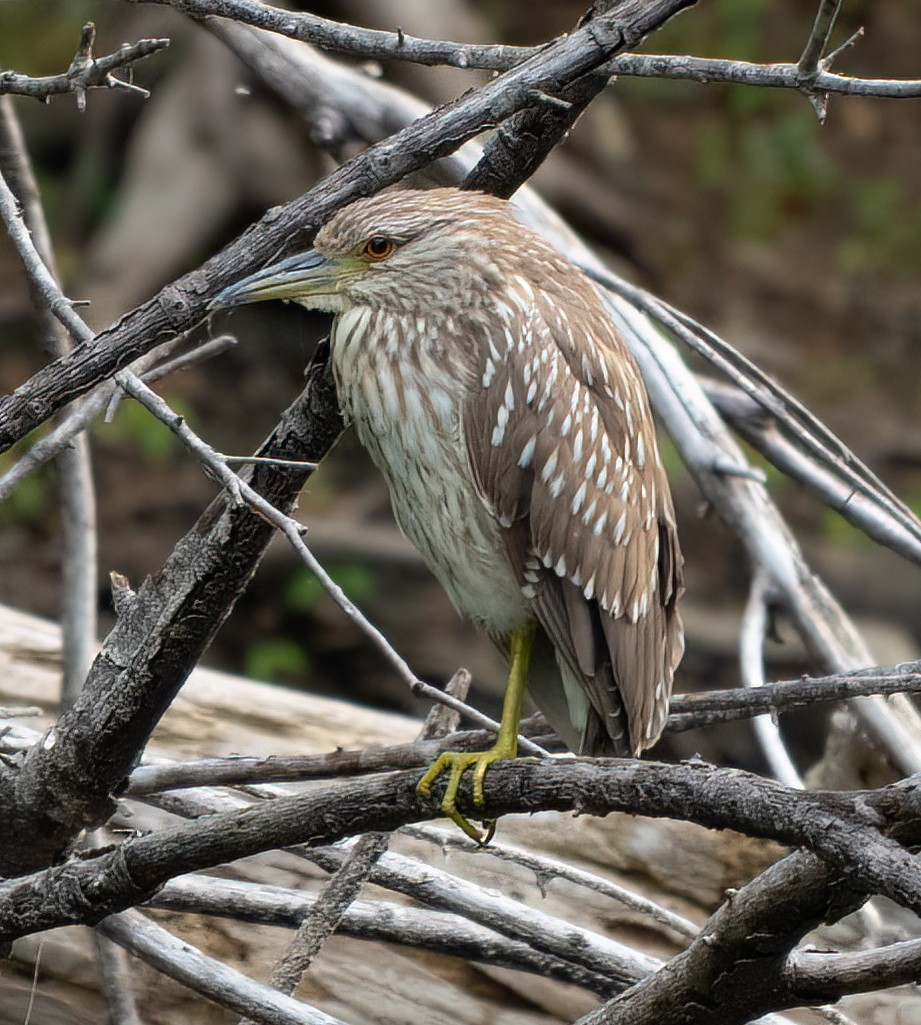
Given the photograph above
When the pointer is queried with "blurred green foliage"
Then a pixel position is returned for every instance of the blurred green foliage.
(304, 591)
(45, 52)
(284, 660)
(34, 496)
(767, 162)
(885, 230)
(834, 527)
(769, 169)
(133, 424)
(278, 660)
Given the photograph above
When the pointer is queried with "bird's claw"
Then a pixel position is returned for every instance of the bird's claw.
(457, 763)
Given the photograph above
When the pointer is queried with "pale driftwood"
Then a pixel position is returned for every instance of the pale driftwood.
(683, 867)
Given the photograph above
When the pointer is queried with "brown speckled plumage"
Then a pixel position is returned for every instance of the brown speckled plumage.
(484, 376)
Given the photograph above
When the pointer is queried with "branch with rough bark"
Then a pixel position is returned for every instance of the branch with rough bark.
(85, 71)
(185, 302)
(842, 829)
(742, 964)
(372, 44)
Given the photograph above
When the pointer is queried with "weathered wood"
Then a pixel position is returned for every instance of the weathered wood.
(216, 714)
(682, 866)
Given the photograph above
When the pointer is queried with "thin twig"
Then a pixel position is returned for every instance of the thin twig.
(27, 711)
(205, 351)
(327, 913)
(64, 434)
(266, 461)
(785, 450)
(755, 626)
(85, 72)
(547, 869)
(115, 978)
(825, 19)
(79, 619)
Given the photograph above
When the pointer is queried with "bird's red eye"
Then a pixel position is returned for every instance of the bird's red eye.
(378, 247)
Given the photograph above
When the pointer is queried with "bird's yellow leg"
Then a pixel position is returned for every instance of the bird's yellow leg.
(506, 745)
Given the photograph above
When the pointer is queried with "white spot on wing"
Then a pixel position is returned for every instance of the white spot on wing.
(620, 527)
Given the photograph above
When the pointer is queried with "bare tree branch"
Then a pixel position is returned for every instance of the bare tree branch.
(812, 974)
(327, 912)
(25, 711)
(840, 828)
(115, 979)
(377, 921)
(79, 620)
(213, 979)
(689, 711)
(85, 71)
(825, 19)
(755, 626)
(547, 869)
(373, 44)
(184, 303)
(733, 971)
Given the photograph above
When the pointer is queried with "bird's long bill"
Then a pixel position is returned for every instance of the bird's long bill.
(305, 277)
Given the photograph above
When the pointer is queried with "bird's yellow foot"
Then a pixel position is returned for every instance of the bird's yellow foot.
(457, 763)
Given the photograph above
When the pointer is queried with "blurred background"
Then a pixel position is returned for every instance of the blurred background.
(801, 244)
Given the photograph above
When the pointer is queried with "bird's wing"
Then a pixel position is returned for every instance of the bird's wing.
(563, 447)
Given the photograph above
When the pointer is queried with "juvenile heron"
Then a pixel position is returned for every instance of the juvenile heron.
(483, 374)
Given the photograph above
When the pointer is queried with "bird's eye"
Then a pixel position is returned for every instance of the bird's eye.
(378, 247)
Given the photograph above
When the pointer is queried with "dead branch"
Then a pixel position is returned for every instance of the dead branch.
(182, 304)
(85, 71)
(843, 829)
(372, 44)
(206, 975)
(378, 921)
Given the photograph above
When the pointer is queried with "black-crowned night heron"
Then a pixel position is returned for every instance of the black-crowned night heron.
(483, 374)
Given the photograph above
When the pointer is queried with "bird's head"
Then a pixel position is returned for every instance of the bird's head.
(398, 251)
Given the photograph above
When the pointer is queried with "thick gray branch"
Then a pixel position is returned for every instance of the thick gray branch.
(839, 828)
(284, 229)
